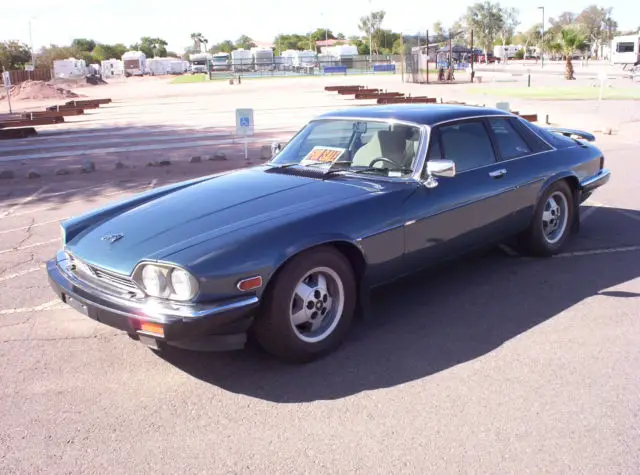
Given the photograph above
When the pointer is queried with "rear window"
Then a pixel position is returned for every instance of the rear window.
(556, 140)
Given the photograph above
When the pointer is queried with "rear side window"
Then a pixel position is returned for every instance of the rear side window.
(510, 143)
(556, 140)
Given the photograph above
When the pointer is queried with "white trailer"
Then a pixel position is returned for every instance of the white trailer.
(241, 60)
(220, 62)
(289, 59)
(200, 62)
(263, 59)
(70, 68)
(112, 68)
(307, 59)
(135, 63)
(505, 52)
(625, 50)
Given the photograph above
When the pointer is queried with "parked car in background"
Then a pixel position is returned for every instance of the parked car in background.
(290, 250)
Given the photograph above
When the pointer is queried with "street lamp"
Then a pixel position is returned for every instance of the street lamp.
(542, 44)
(370, 35)
(33, 55)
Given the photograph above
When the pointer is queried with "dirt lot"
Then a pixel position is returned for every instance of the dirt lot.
(498, 364)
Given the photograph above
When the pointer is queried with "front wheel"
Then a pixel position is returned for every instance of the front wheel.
(552, 222)
(309, 308)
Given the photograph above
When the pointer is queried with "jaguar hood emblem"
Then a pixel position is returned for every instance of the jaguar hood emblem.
(111, 238)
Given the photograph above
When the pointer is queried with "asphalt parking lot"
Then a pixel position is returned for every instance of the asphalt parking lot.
(496, 364)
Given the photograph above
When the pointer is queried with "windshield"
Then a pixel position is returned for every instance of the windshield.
(362, 146)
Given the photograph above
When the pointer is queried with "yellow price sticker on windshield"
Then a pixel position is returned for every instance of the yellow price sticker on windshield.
(324, 154)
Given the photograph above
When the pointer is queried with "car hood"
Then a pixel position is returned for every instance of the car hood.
(206, 210)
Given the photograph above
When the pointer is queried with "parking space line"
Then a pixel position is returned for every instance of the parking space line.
(24, 201)
(622, 212)
(51, 305)
(592, 252)
(19, 274)
(22, 248)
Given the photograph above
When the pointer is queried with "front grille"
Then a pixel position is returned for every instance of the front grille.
(102, 278)
(116, 280)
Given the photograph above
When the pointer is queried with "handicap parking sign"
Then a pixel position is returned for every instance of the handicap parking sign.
(244, 122)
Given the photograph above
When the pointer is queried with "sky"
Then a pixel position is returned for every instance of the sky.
(125, 21)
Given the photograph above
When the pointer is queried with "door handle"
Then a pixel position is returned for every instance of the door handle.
(498, 173)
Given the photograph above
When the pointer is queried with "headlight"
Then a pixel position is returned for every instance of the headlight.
(167, 282)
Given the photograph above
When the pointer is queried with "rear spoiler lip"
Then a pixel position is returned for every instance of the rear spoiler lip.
(569, 132)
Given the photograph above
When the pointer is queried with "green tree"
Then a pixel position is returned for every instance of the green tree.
(511, 20)
(103, 52)
(486, 20)
(572, 40)
(14, 55)
(226, 46)
(51, 53)
(319, 35)
(245, 42)
(83, 44)
(593, 22)
(370, 25)
(151, 47)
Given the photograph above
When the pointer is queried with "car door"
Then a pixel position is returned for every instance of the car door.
(518, 150)
(463, 212)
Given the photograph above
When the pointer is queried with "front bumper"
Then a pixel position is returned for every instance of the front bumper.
(222, 324)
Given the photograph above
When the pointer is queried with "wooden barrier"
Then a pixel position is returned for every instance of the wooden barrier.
(81, 102)
(529, 117)
(347, 92)
(71, 107)
(374, 95)
(11, 123)
(63, 113)
(21, 133)
(406, 100)
(339, 88)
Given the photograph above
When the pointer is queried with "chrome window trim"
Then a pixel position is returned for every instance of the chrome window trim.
(424, 139)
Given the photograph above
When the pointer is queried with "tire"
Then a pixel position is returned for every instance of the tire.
(548, 233)
(275, 330)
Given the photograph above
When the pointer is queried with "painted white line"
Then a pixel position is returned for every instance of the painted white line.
(588, 211)
(22, 248)
(19, 274)
(134, 148)
(146, 138)
(621, 211)
(599, 251)
(57, 193)
(508, 251)
(51, 305)
(24, 201)
(152, 184)
(24, 228)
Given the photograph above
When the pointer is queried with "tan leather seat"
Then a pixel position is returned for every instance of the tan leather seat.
(385, 143)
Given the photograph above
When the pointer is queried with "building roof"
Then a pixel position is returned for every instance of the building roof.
(427, 114)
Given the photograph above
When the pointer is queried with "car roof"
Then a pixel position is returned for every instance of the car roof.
(425, 114)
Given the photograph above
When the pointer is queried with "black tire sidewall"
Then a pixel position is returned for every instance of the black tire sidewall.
(273, 328)
(538, 244)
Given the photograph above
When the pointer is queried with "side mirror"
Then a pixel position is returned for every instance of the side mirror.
(275, 148)
(443, 168)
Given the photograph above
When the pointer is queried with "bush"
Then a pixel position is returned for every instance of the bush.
(519, 54)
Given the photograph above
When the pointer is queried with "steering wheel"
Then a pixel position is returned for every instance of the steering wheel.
(386, 160)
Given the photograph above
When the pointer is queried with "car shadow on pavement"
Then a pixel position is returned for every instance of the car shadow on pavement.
(437, 319)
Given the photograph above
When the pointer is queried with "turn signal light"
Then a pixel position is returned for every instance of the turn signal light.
(150, 327)
(250, 283)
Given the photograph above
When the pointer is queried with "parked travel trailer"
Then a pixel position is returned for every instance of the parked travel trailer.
(135, 63)
(112, 68)
(263, 59)
(241, 60)
(220, 62)
(162, 66)
(306, 60)
(69, 68)
(505, 52)
(200, 62)
(625, 50)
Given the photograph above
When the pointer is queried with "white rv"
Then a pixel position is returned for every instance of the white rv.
(69, 68)
(135, 63)
(263, 59)
(625, 50)
(200, 62)
(241, 60)
(220, 62)
(112, 68)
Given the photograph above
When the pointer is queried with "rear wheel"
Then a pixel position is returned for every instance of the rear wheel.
(552, 222)
(309, 308)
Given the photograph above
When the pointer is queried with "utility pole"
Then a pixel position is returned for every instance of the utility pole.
(542, 43)
(370, 35)
(33, 56)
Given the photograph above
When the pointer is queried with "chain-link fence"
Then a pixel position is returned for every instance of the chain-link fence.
(442, 58)
(320, 66)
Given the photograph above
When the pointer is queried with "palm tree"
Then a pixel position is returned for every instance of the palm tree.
(198, 39)
(571, 40)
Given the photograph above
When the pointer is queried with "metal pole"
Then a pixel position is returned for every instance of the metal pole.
(427, 62)
(402, 56)
(370, 36)
(542, 44)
